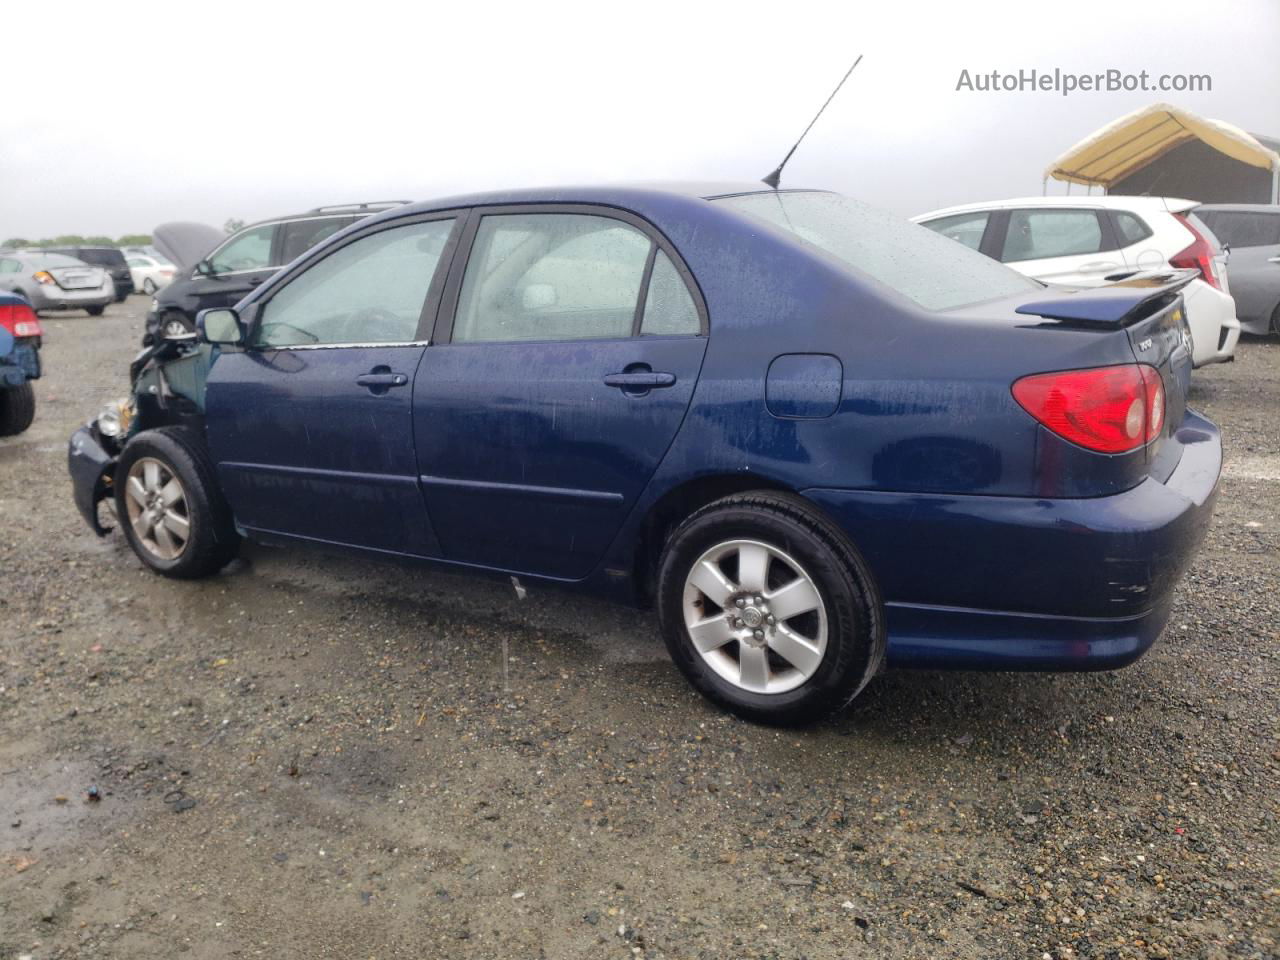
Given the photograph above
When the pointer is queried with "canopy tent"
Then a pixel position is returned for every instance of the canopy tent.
(1135, 140)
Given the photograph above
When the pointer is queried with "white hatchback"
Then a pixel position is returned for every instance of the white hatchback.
(1089, 241)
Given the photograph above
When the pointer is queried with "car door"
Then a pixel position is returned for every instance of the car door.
(233, 270)
(310, 425)
(1070, 246)
(570, 342)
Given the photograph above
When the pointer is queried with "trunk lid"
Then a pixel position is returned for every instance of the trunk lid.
(78, 277)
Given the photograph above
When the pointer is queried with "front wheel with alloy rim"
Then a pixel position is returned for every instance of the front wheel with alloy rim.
(171, 510)
(174, 323)
(768, 609)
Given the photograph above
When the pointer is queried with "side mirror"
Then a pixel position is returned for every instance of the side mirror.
(205, 268)
(219, 326)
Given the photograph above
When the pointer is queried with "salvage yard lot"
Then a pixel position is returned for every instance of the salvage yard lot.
(309, 756)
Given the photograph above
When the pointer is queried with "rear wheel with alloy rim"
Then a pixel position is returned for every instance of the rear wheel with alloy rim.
(149, 286)
(768, 609)
(172, 512)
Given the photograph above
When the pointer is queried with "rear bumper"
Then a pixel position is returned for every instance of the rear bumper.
(1211, 315)
(72, 299)
(92, 469)
(1004, 583)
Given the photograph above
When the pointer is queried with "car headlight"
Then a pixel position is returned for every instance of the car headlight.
(114, 419)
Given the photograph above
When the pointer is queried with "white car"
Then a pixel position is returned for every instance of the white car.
(1090, 241)
(149, 274)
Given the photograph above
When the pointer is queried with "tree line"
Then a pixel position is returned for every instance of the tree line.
(75, 240)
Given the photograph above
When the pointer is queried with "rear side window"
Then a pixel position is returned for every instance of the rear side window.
(1131, 229)
(910, 259)
(966, 228)
(299, 236)
(248, 250)
(1243, 229)
(371, 290)
(1040, 234)
(567, 276)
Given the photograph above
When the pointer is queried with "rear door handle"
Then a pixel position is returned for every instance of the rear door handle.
(640, 381)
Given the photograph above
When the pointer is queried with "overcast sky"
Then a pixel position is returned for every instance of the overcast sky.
(122, 116)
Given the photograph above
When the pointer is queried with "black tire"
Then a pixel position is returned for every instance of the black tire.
(17, 409)
(1275, 320)
(855, 621)
(174, 316)
(94, 311)
(212, 542)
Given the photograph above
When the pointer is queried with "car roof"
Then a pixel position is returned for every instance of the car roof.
(616, 194)
(1114, 202)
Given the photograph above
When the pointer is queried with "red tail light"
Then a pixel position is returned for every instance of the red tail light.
(1198, 256)
(20, 320)
(1107, 409)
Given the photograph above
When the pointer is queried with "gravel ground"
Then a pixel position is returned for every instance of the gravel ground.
(312, 757)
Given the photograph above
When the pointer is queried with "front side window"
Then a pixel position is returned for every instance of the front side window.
(910, 259)
(552, 276)
(250, 250)
(1243, 229)
(370, 291)
(966, 228)
(1040, 234)
(10, 266)
(299, 236)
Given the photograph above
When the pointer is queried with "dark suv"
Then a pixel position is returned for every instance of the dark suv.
(226, 274)
(110, 259)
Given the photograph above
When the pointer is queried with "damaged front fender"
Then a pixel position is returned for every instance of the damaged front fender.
(92, 471)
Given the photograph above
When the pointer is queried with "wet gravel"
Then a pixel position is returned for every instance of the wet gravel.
(313, 757)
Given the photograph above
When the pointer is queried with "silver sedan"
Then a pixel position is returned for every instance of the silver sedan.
(53, 281)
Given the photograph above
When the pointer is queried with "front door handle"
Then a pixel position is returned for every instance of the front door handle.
(380, 381)
(640, 381)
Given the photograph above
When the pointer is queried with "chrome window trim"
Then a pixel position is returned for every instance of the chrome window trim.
(263, 348)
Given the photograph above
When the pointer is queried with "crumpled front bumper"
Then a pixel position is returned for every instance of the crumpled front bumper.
(92, 471)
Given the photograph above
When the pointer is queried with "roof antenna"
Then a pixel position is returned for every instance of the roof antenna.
(775, 178)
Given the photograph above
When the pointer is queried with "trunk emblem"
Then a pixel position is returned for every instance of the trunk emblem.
(1145, 344)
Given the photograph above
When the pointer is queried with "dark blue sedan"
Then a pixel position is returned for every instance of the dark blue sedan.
(816, 437)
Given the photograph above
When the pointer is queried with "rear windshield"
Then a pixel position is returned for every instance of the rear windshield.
(47, 261)
(102, 258)
(935, 272)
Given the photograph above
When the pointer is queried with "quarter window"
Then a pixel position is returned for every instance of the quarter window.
(552, 276)
(966, 228)
(669, 309)
(250, 250)
(1039, 234)
(1131, 229)
(370, 291)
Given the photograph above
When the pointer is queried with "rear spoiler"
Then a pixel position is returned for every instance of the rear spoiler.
(1115, 305)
